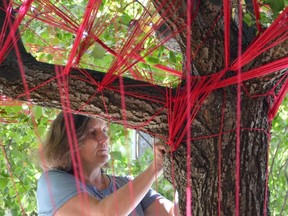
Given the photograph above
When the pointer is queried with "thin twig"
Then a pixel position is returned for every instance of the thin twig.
(285, 199)
(11, 176)
(12, 170)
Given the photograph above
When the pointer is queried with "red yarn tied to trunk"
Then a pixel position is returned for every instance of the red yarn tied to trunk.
(182, 103)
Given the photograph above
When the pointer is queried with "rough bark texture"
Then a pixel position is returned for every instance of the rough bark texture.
(254, 111)
(204, 152)
(204, 158)
(138, 110)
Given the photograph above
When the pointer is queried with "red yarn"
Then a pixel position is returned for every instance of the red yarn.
(183, 106)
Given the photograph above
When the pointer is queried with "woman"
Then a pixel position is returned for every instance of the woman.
(60, 193)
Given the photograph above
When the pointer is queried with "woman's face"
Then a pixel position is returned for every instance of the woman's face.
(94, 152)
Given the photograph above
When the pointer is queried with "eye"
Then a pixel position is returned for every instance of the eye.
(105, 130)
(92, 132)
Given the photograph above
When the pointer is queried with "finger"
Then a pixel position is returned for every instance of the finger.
(162, 146)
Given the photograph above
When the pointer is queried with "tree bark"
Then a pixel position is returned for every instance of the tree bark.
(213, 130)
(84, 96)
(205, 157)
(210, 145)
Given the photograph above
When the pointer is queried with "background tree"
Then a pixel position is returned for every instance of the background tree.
(209, 195)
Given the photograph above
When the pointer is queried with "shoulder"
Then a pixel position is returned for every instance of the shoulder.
(56, 180)
(54, 188)
(52, 175)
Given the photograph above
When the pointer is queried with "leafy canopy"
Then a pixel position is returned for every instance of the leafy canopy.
(23, 126)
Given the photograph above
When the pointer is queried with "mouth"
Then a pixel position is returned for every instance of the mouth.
(103, 151)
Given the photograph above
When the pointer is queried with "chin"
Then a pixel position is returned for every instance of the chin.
(104, 158)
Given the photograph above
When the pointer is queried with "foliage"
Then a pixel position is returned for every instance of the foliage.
(53, 45)
(278, 172)
(19, 154)
(21, 136)
(269, 11)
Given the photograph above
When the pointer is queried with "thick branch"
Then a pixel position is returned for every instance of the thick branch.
(139, 109)
(145, 105)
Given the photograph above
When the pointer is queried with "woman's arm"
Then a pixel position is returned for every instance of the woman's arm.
(163, 207)
(121, 202)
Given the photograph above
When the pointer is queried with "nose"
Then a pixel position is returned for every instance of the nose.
(103, 138)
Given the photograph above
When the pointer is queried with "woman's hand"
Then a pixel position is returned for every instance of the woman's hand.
(159, 151)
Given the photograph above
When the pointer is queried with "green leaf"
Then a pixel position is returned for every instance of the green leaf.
(152, 60)
(125, 19)
(116, 155)
(98, 51)
(41, 130)
(3, 183)
(277, 5)
(37, 112)
(248, 19)
(172, 57)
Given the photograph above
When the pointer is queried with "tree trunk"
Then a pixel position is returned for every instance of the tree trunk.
(213, 131)
(213, 145)
(205, 160)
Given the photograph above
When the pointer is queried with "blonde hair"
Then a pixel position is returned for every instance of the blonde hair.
(56, 150)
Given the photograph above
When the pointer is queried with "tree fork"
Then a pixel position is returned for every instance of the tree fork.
(204, 152)
(255, 126)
